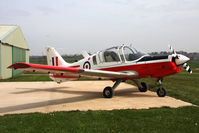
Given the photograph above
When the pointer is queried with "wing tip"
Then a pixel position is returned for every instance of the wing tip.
(18, 65)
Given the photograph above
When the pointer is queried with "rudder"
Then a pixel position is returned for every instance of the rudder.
(54, 58)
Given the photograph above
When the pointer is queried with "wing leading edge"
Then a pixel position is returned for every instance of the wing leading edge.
(69, 71)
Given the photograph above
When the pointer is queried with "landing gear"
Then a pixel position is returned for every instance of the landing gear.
(161, 92)
(142, 86)
(108, 91)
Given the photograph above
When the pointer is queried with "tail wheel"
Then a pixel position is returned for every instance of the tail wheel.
(161, 92)
(108, 92)
(144, 87)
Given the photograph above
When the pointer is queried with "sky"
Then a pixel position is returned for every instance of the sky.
(75, 25)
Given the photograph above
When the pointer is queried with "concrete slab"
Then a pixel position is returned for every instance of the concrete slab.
(26, 97)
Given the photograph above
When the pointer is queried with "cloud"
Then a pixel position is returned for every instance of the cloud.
(13, 13)
(94, 24)
(46, 10)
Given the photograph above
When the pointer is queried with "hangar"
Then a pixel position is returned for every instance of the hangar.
(13, 48)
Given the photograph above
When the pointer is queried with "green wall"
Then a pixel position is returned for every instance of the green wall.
(18, 55)
(0, 60)
(6, 60)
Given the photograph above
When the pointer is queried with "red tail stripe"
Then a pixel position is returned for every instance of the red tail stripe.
(57, 61)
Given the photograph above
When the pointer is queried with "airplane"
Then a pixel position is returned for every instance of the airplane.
(118, 63)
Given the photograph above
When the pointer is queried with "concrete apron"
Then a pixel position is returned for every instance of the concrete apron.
(26, 97)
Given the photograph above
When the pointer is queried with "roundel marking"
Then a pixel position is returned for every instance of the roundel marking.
(87, 65)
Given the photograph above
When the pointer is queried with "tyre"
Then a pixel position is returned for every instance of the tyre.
(161, 92)
(144, 87)
(108, 92)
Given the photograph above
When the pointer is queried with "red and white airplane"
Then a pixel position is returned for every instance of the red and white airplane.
(118, 64)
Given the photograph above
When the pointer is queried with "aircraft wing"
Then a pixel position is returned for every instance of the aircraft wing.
(69, 71)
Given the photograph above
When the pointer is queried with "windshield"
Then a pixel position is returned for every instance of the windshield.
(130, 53)
(111, 55)
(119, 54)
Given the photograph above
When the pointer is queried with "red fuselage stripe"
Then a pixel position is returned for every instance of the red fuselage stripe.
(155, 70)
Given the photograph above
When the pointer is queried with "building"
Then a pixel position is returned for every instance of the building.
(13, 48)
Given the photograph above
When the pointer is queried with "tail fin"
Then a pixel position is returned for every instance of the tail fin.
(54, 58)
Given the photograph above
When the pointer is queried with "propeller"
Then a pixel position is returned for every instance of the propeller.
(180, 60)
(187, 67)
(172, 50)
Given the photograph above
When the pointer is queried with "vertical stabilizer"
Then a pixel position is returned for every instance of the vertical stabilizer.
(85, 54)
(54, 58)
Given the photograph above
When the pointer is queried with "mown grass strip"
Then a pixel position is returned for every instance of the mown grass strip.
(162, 120)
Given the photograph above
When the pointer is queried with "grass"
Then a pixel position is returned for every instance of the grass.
(165, 120)
(151, 120)
(183, 86)
(28, 78)
(27, 72)
(194, 63)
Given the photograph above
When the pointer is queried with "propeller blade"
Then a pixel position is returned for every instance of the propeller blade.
(172, 50)
(187, 67)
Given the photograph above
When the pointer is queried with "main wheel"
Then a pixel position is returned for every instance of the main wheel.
(108, 92)
(161, 92)
(144, 87)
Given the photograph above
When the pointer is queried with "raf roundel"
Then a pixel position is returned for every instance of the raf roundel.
(87, 65)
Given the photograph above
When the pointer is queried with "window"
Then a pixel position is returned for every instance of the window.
(131, 54)
(94, 60)
(111, 56)
(100, 56)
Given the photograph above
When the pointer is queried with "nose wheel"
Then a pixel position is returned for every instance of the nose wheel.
(161, 92)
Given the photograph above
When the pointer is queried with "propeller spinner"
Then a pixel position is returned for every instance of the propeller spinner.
(181, 60)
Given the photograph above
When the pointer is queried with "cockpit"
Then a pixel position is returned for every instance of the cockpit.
(111, 55)
(119, 54)
(131, 54)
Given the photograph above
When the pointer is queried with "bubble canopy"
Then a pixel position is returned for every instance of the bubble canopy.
(121, 53)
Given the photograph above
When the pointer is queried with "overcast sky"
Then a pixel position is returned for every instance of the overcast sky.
(75, 25)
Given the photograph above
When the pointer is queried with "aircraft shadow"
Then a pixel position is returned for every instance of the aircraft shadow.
(31, 90)
(84, 96)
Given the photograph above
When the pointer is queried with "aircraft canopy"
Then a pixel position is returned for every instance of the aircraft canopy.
(121, 53)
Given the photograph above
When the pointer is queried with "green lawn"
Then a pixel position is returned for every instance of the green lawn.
(28, 78)
(183, 86)
(194, 63)
(181, 120)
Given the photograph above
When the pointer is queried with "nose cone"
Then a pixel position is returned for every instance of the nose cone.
(181, 59)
